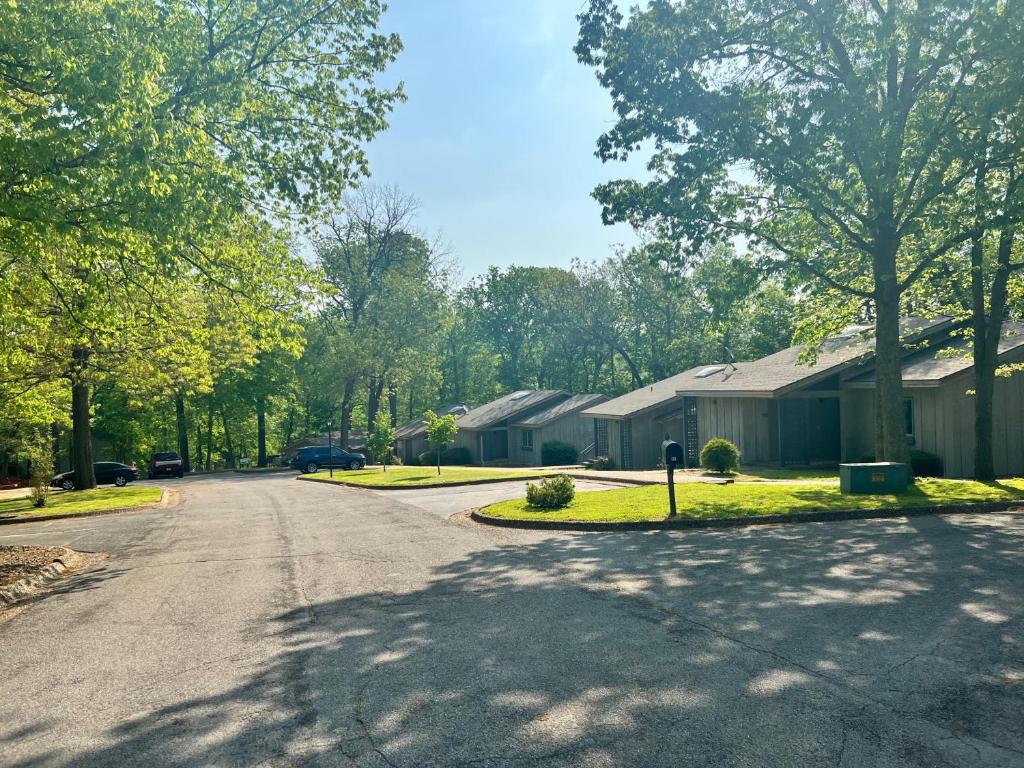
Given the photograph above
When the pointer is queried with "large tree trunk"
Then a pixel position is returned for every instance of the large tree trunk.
(261, 432)
(227, 438)
(181, 424)
(81, 426)
(988, 328)
(346, 413)
(209, 436)
(376, 389)
(393, 404)
(890, 436)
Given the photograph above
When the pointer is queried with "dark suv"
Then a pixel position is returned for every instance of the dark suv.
(166, 463)
(314, 457)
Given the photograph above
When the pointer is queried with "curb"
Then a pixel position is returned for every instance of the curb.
(162, 502)
(19, 590)
(421, 486)
(691, 523)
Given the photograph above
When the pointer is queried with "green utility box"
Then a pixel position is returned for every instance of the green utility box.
(874, 477)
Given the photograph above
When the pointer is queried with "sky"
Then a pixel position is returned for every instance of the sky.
(497, 138)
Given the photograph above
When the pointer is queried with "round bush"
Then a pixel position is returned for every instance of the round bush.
(555, 452)
(552, 493)
(720, 455)
(925, 464)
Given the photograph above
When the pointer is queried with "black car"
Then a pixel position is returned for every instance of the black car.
(314, 457)
(106, 472)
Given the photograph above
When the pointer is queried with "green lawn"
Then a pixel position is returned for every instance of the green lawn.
(83, 502)
(753, 475)
(413, 477)
(700, 500)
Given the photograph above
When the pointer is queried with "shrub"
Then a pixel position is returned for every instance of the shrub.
(40, 456)
(720, 455)
(552, 493)
(925, 464)
(450, 457)
(556, 452)
(414, 461)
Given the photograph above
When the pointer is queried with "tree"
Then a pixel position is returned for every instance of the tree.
(849, 119)
(441, 431)
(182, 119)
(381, 441)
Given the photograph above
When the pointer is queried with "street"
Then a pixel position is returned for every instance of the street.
(268, 621)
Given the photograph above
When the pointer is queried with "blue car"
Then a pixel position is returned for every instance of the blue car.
(313, 458)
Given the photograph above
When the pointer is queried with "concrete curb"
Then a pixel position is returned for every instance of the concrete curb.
(421, 486)
(163, 502)
(28, 586)
(689, 523)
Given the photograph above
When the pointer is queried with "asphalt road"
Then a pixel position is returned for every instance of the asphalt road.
(267, 621)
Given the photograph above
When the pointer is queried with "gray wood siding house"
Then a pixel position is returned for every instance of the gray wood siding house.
(939, 407)
(781, 411)
(561, 422)
(485, 430)
(411, 437)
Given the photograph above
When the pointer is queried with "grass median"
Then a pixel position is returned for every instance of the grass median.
(703, 501)
(419, 477)
(90, 502)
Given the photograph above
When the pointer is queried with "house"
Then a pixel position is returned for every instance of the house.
(782, 411)
(939, 407)
(485, 430)
(559, 422)
(411, 437)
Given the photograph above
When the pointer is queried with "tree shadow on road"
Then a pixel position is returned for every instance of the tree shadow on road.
(877, 643)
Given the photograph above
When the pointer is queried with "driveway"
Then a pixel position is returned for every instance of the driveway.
(267, 621)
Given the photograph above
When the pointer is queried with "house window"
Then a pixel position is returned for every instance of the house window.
(908, 419)
(527, 444)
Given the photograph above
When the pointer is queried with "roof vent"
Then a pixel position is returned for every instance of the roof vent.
(709, 371)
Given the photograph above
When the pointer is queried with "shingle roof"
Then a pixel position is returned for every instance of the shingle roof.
(418, 426)
(933, 366)
(558, 410)
(509, 407)
(770, 376)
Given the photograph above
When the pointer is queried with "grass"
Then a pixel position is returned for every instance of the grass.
(417, 477)
(699, 500)
(83, 502)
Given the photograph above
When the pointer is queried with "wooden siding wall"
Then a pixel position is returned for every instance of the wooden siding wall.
(749, 422)
(572, 429)
(944, 424)
(857, 424)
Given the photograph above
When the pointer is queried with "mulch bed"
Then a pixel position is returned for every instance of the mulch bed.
(17, 563)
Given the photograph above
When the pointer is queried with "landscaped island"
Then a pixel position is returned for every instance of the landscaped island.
(704, 501)
(414, 477)
(91, 502)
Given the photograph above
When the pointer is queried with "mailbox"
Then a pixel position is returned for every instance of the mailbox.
(672, 453)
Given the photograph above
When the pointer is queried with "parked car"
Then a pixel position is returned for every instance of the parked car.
(106, 472)
(166, 463)
(314, 457)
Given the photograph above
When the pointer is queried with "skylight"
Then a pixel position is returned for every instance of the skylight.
(709, 371)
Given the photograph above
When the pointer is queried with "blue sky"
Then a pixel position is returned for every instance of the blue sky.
(497, 138)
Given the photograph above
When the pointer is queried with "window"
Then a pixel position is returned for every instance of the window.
(908, 419)
(527, 443)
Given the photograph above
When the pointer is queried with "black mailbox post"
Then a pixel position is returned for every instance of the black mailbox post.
(672, 455)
